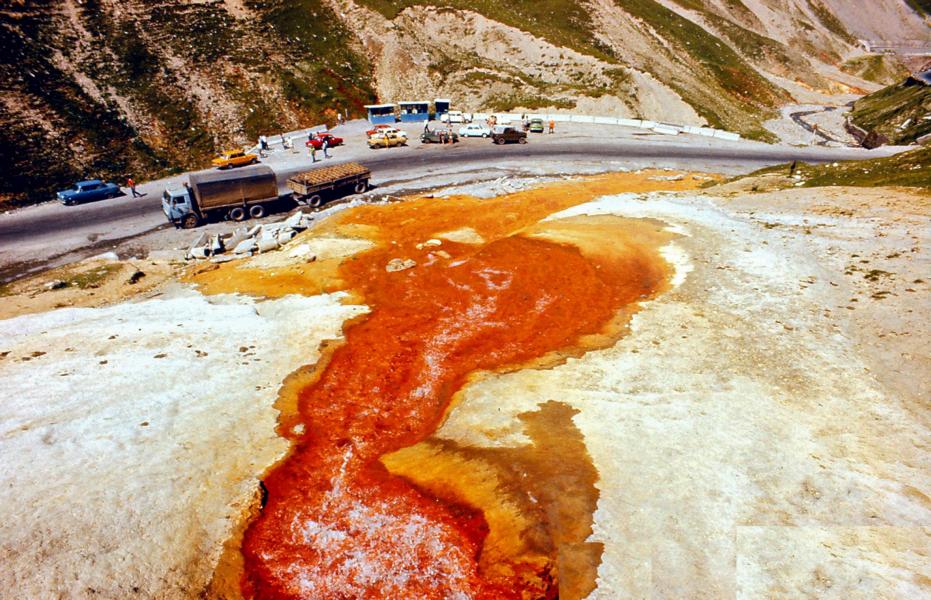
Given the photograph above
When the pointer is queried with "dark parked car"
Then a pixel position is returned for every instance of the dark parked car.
(88, 191)
(503, 134)
(434, 137)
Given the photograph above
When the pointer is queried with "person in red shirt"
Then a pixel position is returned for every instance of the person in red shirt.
(132, 187)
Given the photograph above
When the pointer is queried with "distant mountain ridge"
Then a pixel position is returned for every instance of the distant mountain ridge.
(144, 87)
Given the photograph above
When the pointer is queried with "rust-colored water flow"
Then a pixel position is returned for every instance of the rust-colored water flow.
(337, 523)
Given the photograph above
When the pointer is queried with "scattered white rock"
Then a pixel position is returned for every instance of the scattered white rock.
(400, 264)
(223, 258)
(267, 244)
(245, 247)
(108, 256)
(285, 236)
(199, 252)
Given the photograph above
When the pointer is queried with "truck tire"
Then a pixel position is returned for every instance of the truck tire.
(315, 201)
(237, 214)
(361, 187)
(190, 221)
(256, 211)
(522, 140)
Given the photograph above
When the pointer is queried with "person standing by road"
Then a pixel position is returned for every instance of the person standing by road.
(131, 184)
(326, 146)
(313, 152)
(552, 126)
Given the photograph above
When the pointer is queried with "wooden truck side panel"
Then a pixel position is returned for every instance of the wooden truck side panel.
(326, 178)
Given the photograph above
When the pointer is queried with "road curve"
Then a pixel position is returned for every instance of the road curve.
(39, 233)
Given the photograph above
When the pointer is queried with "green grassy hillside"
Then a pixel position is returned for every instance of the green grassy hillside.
(908, 169)
(146, 88)
(898, 112)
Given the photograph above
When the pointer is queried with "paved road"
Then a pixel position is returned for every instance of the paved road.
(34, 235)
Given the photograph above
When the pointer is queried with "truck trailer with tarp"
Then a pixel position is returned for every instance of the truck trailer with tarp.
(381, 113)
(414, 112)
(236, 195)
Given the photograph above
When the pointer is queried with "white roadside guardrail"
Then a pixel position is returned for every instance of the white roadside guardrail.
(664, 128)
(504, 118)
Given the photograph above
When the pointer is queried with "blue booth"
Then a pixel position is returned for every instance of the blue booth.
(381, 113)
(442, 107)
(415, 112)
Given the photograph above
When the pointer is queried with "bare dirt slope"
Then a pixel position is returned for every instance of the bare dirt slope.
(105, 88)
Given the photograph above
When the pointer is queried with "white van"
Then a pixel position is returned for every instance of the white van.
(456, 116)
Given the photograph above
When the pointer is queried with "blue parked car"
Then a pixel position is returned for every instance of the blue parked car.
(88, 191)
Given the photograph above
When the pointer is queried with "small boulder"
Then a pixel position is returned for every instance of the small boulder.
(55, 284)
(216, 245)
(266, 244)
(400, 264)
(294, 221)
(246, 246)
(234, 238)
(135, 277)
(199, 252)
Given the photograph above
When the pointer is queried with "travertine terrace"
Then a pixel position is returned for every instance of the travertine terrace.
(603, 387)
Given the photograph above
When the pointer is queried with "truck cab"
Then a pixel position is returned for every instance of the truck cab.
(177, 206)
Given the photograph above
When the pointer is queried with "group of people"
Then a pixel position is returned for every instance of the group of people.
(525, 121)
(324, 145)
(445, 135)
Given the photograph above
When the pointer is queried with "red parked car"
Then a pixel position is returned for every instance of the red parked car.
(378, 129)
(317, 140)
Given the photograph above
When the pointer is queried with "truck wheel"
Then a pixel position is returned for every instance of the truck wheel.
(361, 187)
(315, 201)
(522, 140)
(256, 211)
(190, 221)
(237, 214)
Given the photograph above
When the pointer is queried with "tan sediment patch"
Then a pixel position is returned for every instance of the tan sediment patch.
(86, 284)
(463, 235)
(538, 499)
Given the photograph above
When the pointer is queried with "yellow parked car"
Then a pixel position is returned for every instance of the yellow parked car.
(387, 140)
(234, 158)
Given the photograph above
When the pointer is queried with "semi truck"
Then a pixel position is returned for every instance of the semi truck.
(249, 192)
(233, 195)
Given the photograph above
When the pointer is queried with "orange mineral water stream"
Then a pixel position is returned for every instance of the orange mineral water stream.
(336, 523)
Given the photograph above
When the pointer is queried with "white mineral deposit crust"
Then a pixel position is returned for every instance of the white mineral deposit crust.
(131, 446)
(742, 444)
